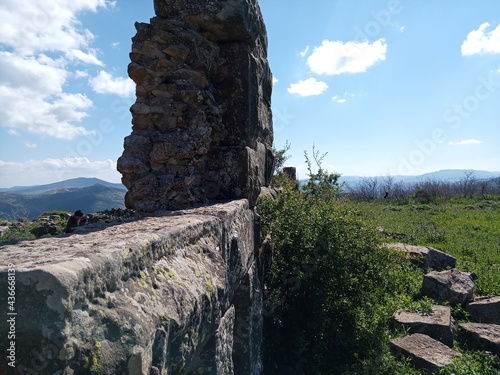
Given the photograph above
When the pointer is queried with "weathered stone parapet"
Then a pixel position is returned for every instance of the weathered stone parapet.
(202, 124)
(175, 294)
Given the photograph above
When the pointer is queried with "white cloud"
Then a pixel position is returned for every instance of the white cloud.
(482, 41)
(338, 99)
(30, 145)
(304, 52)
(86, 58)
(81, 74)
(342, 99)
(105, 83)
(308, 87)
(40, 41)
(335, 57)
(33, 26)
(466, 142)
(275, 80)
(36, 172)
(31, 90)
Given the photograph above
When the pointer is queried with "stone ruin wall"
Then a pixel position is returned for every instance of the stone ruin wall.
(202, 126)
(178, 294)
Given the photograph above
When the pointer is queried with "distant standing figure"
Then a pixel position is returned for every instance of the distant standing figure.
(74, 221)
(386, 195)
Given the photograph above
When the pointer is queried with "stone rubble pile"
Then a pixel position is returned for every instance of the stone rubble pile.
(432, 334)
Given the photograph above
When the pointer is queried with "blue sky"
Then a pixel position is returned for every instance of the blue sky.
(384, 87)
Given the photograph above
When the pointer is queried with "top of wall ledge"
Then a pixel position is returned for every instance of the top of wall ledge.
(92, 242)
(226, 20)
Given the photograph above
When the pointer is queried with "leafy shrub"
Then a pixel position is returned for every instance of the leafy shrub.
(331, 289)
(423, 196)
(474, 363)
(17, 234)
(28, 230)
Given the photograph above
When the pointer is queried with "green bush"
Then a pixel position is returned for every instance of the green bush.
(331, 289)
(17, 234)
(37, 228)
(474, 363)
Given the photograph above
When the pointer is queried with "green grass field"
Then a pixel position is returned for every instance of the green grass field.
(351, 279)
(467, 228)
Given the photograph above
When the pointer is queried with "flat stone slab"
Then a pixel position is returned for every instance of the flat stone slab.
(425, 352)
(453, 286)
(481, 336)
(425, 256)
(439, 324)
(485, 309)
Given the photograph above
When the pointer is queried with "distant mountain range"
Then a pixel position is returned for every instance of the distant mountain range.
(449, 175)
(79, 182)
(92, 194)
(86, 194)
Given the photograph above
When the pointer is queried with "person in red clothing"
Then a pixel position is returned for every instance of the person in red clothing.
(74, 221)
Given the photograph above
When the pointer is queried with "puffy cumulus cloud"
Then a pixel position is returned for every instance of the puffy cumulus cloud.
(308, 87)
(53, 170)
(38, 74)
(46, 25)
(31, 90)
(275, 80)
(335, 57)
(465, 142)
(105, 83)
(482, 41)
(40, 41)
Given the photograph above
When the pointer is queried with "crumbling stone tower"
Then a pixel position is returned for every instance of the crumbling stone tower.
(202, 125)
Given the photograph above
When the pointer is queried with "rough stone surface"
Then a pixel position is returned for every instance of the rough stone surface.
(425, 256)
(481, 336)
(453, 286)
(485, 309)
(173, 294)
(291, 172)
(425, 352)
(3, 229)
(202, 124)
(439, 324)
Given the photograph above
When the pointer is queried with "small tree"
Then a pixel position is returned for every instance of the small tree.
(280, 158)
(321, 184)
(468, 183)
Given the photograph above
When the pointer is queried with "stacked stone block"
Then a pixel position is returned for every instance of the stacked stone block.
(202, 125)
